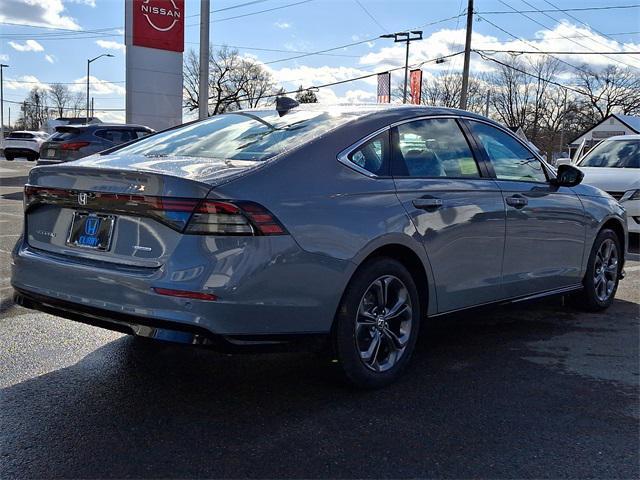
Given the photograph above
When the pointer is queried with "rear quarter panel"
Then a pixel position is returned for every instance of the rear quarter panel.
(331, 210)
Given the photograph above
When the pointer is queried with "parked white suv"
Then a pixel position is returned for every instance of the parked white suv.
(23, 143)
(613, 165)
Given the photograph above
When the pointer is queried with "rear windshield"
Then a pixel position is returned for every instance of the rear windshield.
(20, 135)
(240, 135)
(614, 154)
(64, 135)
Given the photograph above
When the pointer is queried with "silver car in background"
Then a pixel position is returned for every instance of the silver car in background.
(352, 225)
(71, 142)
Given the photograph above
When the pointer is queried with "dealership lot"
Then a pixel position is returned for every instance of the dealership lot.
(536, 390)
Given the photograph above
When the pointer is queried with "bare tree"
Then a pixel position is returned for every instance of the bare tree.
(60, 96)
(234, 81)
(34, 111)
(613, 89)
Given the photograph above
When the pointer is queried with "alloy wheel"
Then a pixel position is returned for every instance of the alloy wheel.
(383, 325)
(605, 272)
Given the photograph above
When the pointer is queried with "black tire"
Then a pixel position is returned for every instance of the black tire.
(348, 345)
(9, 157)
(32, 158)
(593, 298)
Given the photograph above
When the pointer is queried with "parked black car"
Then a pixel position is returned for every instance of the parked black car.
(71, 142)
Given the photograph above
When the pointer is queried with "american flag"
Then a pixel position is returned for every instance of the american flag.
(384, 87)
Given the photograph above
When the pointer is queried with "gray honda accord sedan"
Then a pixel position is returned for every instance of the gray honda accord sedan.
(351, 225)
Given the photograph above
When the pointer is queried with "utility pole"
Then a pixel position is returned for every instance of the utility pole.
(203, 79)
(2, 66)
(467, 55)
(406, 38)
(486, 107)
(88, 75)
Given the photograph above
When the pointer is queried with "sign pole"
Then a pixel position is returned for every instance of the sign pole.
(203, 83)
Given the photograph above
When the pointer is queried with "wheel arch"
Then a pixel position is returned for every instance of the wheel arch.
(616, 225)
(418, 267)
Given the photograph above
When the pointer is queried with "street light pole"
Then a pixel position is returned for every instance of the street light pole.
(2, 66)
(407, 39)
(88, 76)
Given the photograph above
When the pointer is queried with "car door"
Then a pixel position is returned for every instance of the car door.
(546, 224)
(457, 210)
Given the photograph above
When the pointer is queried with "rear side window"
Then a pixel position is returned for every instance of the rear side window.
(433, 148)
(116, 135)
(141, 133)
(373, 155)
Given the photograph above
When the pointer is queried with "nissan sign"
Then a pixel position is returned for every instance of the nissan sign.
(159, 24)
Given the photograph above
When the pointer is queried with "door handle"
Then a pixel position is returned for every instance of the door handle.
(428, 203)
(517, 201)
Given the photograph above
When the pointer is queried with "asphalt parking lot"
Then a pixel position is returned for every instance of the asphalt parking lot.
(535, 391)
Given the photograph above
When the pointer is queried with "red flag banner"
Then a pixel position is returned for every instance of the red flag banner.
(384, 87)
(415, 82)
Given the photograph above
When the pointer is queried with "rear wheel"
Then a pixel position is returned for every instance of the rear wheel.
(377, 324)
(8, 157)
(603, 272)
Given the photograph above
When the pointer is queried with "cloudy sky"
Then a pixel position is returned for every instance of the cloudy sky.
(47, 41)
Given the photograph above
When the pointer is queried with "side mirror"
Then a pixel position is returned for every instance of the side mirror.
(568, 176)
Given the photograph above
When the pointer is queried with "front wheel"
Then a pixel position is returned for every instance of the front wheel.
(603, 272)
(377, 324)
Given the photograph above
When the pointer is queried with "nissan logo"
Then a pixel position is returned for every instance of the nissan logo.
(168, 13)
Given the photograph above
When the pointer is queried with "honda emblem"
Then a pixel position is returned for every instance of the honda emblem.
(82, 198)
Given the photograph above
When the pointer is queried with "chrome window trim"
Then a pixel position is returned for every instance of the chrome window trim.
(343, 155)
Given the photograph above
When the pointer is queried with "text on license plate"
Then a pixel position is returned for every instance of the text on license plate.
(90, 230)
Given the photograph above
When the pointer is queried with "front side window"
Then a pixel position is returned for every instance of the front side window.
(433, 148)
(614, 154)
(255, 136)
(373, 155)
(509, 158)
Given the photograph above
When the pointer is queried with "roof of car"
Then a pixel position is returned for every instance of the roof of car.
(365, 109)
(27, 131)
(103, 125)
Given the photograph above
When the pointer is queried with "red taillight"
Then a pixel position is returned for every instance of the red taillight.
(215, 217)
(185, 294)
(73, 145)
(188, 215)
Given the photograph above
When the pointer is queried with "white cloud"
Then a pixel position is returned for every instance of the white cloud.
(111, 45)
(282, 25)
(28, 46)
(41, 13)
(4, 57)
(50, 58)
(88, 3)
(98, 87)
(26, 82)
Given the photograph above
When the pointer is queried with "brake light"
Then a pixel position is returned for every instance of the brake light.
(233, 218)
(73, 145)
(187, 215)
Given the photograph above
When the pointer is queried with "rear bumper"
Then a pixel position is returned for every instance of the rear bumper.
(20, 151)
(269, 286)
(166, 330)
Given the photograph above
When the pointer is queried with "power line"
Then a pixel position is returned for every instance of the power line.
(352, 44)
(384, 30)
(589, 27)
(582, 9)
(571, 40)
(253, 13)
(538, 77)
(586, 72)
(544, 52)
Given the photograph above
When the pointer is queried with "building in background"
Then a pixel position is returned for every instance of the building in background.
(614, 124)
